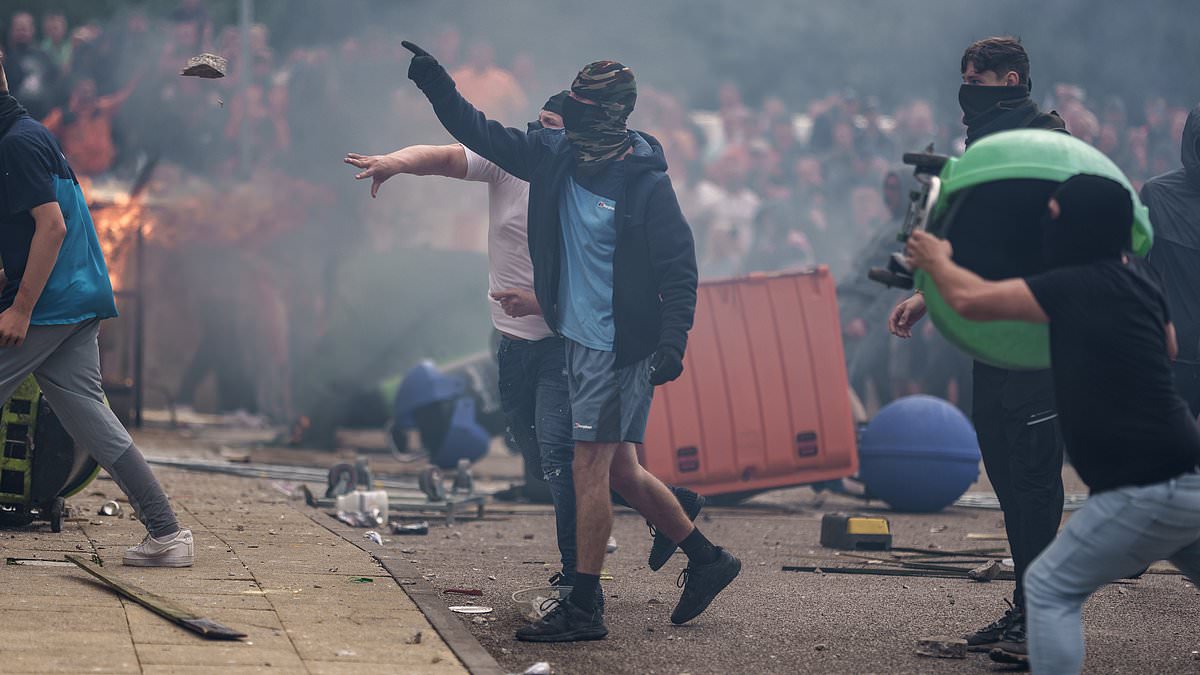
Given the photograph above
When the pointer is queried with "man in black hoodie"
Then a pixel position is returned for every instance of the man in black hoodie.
(1174, 202)
(615, 274)
(1013, 411)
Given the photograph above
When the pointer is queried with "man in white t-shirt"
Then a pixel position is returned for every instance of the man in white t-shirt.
(532, 359)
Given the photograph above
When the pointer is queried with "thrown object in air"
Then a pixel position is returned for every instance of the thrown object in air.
(208, 66)
(918, 454)
(1009, 177)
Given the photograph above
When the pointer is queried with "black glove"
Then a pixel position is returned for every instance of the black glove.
(423, 68)
(665, 366)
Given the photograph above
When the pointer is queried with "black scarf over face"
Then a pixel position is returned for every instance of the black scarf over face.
(988, 109)
(10, 110)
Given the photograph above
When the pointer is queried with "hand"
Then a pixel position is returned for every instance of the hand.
(423, 65)
(906, 315)
(926, 250)
(665, 366)
(517, 302)
(14, 324)
(378, 168)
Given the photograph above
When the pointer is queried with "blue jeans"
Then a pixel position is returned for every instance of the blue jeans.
(537, 404)
(1116, 534)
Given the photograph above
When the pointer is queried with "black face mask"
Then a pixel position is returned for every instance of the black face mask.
(580, 118)
(977, 100)
(534, 126)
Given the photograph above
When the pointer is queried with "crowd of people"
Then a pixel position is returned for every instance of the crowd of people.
(768, 185)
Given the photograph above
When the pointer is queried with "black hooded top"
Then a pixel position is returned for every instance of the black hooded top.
(1174, 202)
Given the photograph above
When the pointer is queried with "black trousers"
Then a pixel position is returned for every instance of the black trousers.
(1015, 420)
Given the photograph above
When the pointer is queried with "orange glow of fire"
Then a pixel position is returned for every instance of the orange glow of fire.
(116, 219)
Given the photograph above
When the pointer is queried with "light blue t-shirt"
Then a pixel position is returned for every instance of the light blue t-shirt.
(585, 285)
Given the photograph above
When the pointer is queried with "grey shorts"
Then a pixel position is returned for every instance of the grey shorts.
(608, 405)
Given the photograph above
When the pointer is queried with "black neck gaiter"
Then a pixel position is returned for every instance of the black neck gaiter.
(987, 109)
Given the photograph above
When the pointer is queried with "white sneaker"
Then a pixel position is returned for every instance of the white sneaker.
(612, 545)
(178, 551)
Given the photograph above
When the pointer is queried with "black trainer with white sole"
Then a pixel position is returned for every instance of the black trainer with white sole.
(702, 583)
(990, 635)
(663, 548)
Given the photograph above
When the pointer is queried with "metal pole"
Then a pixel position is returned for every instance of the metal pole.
(139, 327)
(245, 18)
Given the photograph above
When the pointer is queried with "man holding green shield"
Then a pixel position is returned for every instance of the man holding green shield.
(1013, 411)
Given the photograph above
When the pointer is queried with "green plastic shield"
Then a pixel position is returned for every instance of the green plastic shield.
(1020, 154)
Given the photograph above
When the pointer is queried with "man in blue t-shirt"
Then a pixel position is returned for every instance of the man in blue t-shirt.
(1128, 433)
(55, 293)
(614, 266)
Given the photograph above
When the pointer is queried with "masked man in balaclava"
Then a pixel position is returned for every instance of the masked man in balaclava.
(530, 359)
(614, 266)
(1013, 411)
(1129, 434)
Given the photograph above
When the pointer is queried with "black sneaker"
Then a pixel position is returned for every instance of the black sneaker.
(560, 580)
(1011, 648)
(663, 548)
(989, 636)
(702, 583)
(565, 623)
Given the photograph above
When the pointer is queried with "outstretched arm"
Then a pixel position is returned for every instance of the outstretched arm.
(419, 160)
(966, 292)
(513, 150)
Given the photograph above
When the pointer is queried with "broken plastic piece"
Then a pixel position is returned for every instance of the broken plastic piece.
(539, 668)
(471, 609)
(374, 536)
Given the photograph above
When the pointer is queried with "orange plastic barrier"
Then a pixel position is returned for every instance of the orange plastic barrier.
(764, 399)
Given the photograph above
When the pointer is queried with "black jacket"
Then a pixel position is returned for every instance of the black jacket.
(1174, 202)
(654, 264)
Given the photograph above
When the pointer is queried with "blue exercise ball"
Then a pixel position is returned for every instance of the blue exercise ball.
(918, 454)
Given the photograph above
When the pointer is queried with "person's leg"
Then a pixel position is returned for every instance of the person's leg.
(1114, 535)
(70, 380)
(517, 398)
(552, 414)
(648, 495)
(1187, 383)
(989, 420)
(1035, 454)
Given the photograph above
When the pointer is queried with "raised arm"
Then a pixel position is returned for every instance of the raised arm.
(418, 160)
(513, 150)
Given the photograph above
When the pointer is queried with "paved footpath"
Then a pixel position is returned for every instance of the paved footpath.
(311, 601)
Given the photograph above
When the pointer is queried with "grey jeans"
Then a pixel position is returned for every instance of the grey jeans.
(65, 360)
(1114, 535)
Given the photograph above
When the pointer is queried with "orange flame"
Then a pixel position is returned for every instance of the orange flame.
(117, 217)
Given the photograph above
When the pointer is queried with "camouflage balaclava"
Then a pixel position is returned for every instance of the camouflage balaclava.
(597, 131)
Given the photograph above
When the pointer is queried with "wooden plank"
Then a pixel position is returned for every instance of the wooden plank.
(177, 614)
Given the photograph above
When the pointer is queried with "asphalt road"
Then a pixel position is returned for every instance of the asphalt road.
(771, 621)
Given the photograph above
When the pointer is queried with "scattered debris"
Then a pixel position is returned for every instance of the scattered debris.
(345, 652)
(176, 614)
(528, 537)
(464, 591)
(612, 545)
(414, 640)
(479, 621)
(941, 647)
(361, 580)
(208, 66)
(539, 668)
(820, 646)
(109, 508)
(373, 536)
(854, 532)
(470, 609)
(411, 528)
(986, 537)
(938, 528)
(988, 571)
(372, 518)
